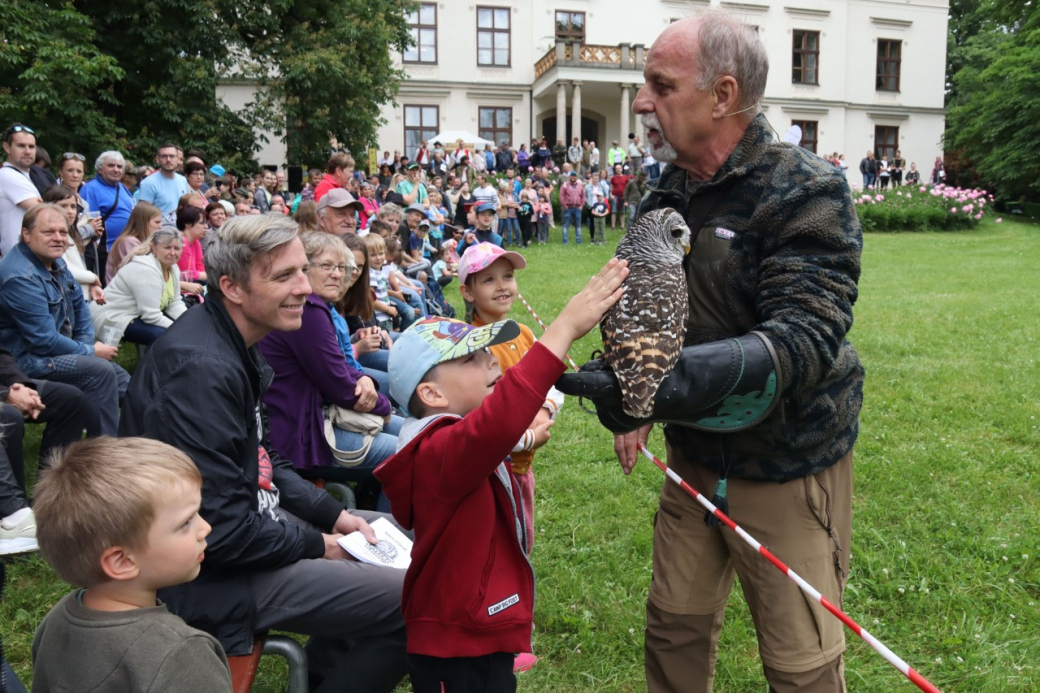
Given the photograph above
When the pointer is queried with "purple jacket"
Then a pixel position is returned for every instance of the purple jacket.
(309, 370)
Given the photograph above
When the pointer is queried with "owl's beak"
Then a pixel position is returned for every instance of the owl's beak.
(686, 248)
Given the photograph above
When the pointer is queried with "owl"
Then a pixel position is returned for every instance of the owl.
(643, 333)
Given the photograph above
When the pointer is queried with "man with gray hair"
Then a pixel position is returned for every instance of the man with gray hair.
(273, 559)
(107, 194)
(771, 280)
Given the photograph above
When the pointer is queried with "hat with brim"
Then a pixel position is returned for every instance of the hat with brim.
(433, 341)
(480, 256)
(217, 170)
(338, 197)
(412, 167)
(415, 207)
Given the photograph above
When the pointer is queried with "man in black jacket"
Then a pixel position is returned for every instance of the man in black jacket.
(273, 560)
(66, 412)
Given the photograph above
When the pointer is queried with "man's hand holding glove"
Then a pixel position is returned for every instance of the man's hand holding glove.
(720, 386)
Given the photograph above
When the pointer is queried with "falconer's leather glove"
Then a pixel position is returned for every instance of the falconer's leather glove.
(720, 386)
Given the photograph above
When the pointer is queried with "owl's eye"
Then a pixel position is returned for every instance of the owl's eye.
(677, 231)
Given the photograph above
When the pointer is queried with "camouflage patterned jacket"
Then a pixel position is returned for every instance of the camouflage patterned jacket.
(779, 253)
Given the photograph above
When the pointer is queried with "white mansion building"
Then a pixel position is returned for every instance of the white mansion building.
(855, 75)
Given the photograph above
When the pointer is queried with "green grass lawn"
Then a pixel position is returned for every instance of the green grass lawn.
(946, 537)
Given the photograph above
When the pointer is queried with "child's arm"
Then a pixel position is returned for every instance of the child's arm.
(391, 279)
(385, 308)
(585, 308)
(399, 295)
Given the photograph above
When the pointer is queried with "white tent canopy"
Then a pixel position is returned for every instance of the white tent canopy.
(449, 137)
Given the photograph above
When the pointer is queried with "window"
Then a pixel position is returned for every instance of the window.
(493, 36)
(422, 24)
(420, 123)
(496, 124)
(809, 130)
(888, 53)
(570, 26)
(806, 57)
(886, 141)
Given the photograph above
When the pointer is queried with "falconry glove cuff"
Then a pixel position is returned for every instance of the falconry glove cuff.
(722, 386)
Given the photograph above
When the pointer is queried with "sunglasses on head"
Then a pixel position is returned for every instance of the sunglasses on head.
(73, 155)
(17, 128)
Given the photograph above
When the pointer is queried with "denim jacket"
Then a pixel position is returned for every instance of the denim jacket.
(42, 312)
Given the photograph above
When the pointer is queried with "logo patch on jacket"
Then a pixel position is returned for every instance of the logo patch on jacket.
(503, 605)
(724, 234)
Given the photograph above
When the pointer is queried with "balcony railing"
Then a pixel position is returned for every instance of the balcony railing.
(624, 56)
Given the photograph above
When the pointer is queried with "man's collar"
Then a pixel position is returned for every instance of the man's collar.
(8, 164)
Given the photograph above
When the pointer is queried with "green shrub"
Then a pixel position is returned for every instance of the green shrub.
(922, 208)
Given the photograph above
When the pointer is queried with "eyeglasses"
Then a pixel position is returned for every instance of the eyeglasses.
(327, 267)
(73, 155)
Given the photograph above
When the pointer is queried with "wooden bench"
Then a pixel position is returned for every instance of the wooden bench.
(243, 668)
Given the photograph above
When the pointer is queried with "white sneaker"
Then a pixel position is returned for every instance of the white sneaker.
(18, 537)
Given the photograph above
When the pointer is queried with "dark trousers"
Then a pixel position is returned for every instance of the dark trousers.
(351, 610)
(66, 415)
(491, 673)
(586, 217)
(525, 228)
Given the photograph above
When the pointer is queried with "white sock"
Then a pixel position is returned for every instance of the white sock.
(12, 520)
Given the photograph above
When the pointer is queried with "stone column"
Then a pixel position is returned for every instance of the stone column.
(561, 112)
(575, 114)
(626, 110)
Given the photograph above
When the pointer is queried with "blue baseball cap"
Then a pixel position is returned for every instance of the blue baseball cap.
(485, 207)
(436, 340)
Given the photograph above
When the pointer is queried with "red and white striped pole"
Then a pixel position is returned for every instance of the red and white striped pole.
(542, 324)
(888, 654)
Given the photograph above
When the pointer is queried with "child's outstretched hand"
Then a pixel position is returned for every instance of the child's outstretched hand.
(585, 308)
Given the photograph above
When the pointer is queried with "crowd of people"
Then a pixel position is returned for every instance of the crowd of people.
(878, 174)
(292, 337)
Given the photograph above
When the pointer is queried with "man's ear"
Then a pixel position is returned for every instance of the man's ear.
(430, 395)
(726, 94)
(231, 290)
(118, 563)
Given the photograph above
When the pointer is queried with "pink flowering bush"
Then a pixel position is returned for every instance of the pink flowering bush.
(939, 208)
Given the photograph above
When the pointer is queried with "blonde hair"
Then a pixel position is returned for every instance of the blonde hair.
(99, 493)
(166, 234)
(374, 243)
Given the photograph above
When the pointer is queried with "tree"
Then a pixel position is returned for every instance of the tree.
(130, 74)
(327, 70)
(54, 79)
(170, 51)
(991, 122)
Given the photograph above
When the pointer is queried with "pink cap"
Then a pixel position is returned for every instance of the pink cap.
(480, 256)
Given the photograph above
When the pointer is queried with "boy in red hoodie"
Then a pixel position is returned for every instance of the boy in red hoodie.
(469, 593)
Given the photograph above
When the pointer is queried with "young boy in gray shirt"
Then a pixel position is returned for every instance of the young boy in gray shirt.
(119, 519)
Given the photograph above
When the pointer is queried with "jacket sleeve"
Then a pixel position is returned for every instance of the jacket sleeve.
(317, 352)
(299, 496)
(23, 299)
(214, 433)
(10, 374)
(808, 278)
(460, 457)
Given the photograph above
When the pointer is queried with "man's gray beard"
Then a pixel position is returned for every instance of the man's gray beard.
(664, 151)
